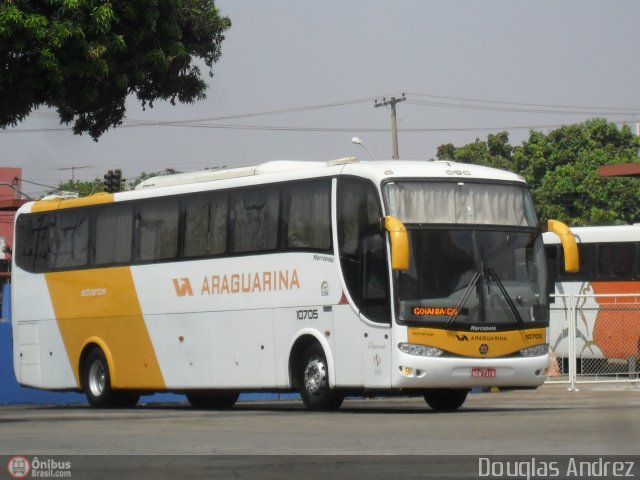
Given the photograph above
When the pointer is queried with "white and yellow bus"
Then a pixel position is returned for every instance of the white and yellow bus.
(331, 279)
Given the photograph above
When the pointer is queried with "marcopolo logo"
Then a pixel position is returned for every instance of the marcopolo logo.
(21, 467)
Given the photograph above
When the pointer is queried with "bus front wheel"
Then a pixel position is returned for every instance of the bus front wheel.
(314, 382)
(96, 381)
(445, 399)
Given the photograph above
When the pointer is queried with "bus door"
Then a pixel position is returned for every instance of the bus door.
(375, 312)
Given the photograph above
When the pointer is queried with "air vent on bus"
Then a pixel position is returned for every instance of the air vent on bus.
(196, 177)
(275, 166)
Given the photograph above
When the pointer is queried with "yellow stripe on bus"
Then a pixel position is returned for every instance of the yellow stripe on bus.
(58, 203)
(478, 344)
(102, 306)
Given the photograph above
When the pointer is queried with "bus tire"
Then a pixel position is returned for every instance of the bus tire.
(314, 381)
(211, 400)
(445, 399)
(96, 380)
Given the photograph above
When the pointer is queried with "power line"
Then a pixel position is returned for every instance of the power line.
(574, 107)
(511, 107)
(519, 109)
(133, 122)
(367, 130)
(554, 107)
(290, 128)
(279, 111)
(38, 184)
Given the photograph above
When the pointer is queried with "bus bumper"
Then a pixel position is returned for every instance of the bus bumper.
(412, 372)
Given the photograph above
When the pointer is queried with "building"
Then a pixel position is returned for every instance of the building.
(620, 170)
(10, 201)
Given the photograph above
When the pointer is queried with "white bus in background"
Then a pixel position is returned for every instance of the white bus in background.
(331, 279)
(608, 286)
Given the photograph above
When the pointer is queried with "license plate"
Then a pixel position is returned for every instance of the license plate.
(483, 372)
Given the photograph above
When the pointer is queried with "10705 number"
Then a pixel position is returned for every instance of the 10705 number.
(307, 314)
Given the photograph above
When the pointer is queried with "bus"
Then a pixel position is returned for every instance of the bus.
(606, 294)
(418, 278)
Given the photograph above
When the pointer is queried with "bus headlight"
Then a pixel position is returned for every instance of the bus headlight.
(420, 350)
(535, 351)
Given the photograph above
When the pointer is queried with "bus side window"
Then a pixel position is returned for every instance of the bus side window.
(307, 216)
(113, 249)
(359, 212)
(205, 225)
(254, 220)
(588, 264)
(32, 238)
(358, 209)
(157, 230)
(616, 260)
(68, 240)
(375, 282)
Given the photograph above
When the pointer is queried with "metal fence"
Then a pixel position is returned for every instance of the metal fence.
(594, 338)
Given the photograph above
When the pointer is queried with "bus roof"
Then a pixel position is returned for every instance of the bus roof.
(287, 170)
(377, 171)
(599, 234)
(374, 170)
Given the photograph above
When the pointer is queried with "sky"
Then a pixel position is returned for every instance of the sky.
(298, 79)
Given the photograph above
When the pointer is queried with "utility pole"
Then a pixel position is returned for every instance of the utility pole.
(394, 124)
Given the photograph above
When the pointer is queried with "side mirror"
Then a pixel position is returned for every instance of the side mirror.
(569, 246)
(399, 243)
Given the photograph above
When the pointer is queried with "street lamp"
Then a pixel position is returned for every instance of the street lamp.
(358, 141)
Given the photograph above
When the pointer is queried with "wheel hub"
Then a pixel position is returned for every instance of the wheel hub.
(315, 376)
(97, 379)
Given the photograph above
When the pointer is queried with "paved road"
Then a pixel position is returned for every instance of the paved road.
(597, 420)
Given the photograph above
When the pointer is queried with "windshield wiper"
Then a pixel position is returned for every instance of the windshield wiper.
(465, 297)
(489, 274)
(492, 275)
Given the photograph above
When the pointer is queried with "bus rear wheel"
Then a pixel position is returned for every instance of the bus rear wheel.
(445, 399)
(212, 400)
(96, 381)
(314, 382)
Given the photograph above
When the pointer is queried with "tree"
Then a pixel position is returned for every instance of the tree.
(495, 152)
(561, 168)
(84, 57)
(82, 188)
(146, 175)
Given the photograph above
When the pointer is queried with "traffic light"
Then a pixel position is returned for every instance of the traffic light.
(108, 181)
(113, 181)
(117, 180)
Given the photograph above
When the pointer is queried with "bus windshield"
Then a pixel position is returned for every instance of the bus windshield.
(464, 277)
(476, 255)
(460, 203)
